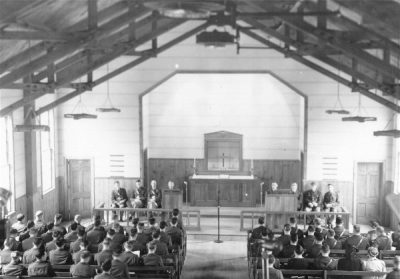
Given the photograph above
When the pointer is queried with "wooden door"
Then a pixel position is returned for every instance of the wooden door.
(369, 180)
(79, 187)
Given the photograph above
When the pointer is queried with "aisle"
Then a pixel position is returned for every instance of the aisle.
(206, 259)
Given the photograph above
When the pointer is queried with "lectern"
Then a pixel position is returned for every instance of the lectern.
(280, 203)
(171, 199)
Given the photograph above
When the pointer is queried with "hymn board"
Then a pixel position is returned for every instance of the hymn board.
(223, 171)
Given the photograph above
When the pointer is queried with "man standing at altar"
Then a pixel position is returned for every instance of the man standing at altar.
(312, 198)
(119, 198)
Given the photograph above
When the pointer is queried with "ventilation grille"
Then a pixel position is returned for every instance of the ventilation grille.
(330, 168)
(117, 165)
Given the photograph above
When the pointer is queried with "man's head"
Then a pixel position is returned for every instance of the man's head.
(156, 235)
(372, 235)
(331, 188)
(30, 224)
(152, 247)
(138, 183)
(313, 186)
(310, 230)
(140, 227)
(271, 259)
(97, 223)
(339, 221)
(175, 212)
(163, 226)
(39, 215)
(40, 255)
(380, 231)
(331, 233)
(373, 252)
(293, 239)
(356, 229)
(135, 221)
(74, 227)
(319, 238)
(299, 250)
(60, 243)
(293, 221)
(81, 232)
(153, 184)
(174, 221)
(37, 242)
(129, 245)
(20, 217)
(117, 186)
(171, 185)
(13, 232)
(317, 222)
(78, 218)
(261, 221)
(83, 245)
(274, 186)
(56, 235)
(325, 250)
(374, 224)
(152, 221)
(15, 257)
(85, 257)
(293, 187)
(286, 229)
(133, 233)
(110, 233)
(57, 219)
(33, 232)
(106, 266)
(50, 227)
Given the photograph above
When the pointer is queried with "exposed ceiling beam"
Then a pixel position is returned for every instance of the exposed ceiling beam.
(292, 54)
(70, 47)
(124, 68)
(41, 35)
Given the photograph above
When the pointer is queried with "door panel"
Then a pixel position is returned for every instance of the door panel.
(368, 186)
(79, 187)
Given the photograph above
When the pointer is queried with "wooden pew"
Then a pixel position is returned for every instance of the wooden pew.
(326, 273)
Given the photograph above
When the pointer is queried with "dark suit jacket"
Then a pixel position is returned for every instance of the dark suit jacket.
(356, 240)
(116, 196)
(153, 259)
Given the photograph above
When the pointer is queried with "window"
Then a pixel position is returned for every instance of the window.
(7, 158)
(47, 152)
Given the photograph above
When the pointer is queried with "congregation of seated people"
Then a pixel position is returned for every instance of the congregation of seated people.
(296, 249)
(32, 248)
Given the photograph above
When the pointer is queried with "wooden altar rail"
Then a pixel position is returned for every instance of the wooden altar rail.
(329, 273)
(186, 214)
(300, 215)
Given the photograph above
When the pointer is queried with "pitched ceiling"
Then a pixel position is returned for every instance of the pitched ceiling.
(51, 44)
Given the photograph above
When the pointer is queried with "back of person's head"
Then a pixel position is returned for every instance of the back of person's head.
(299, 250)
(174, 221)
(15, 256)
(351, 251)
(38, 241)
(151, 246)
(133, 232)
(20, 217)
(129, 245)
(156, 234)
(356, 229)
(175, 212)
(325, 250)
(264, 232)
(74, 226)
(271, 259)
(311, 229)
(50, 226)
(39, 254)
(261, 221)
(374, 224)
(56, 234)
(30, 224)
(319, 237)
(294, 238)
(117, 252)
(84, 244)
(287, 228)
(81, 232)
(292, 220)
(140, 226)
(317, 222)
(33, 232)
(331, 233)
(106, 265)
(163, 225)
(271, 235)
(135, 221)
(85, 256)
(110, 233)
(97, 223)
(60, 242)
(339, 221)
(373, 251)
(152, 221)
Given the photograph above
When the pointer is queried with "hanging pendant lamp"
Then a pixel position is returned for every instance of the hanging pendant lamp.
(82, 114)
(358, 117)
(107, 105)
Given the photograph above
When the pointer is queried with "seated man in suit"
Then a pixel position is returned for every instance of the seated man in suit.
(139, 195)
(19, 225)
(137, 246)
(384, 242)
(155, 195)
(273, 189)
(356, 240)
(309, 240)
(312, 198)
(152, 259)
(57, 224)
(175, 233)
(330, 202)
(29, 255)
(315, 249)
(274, 273)
(119, 270)
(294, 228)
(288, 250)
(105, 253)
(40, 225)
(28, 243)
(106, 271)
(298, 262)
(285, 237)
(294, 190)
(60, 255)
(14, 268)
(5, 254)
(340, 232)
(40, 267)
(128, 256)
(83, 269)
(119, 198)
(331, 241)
(323, 261)
(256, 233)
(96, 235)
(162, 248)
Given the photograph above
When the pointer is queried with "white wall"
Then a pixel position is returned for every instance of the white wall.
(266, 112)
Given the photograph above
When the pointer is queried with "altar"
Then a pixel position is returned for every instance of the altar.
(234, 190)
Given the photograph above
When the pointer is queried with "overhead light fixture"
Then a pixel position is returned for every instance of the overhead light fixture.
(388, 133)
(358, 117)
(338, 107)
(81, 115)
(108, 106)
(215, 38)
(184, 9)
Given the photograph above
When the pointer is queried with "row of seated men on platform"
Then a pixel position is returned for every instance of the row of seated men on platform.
(317, 242)
(41, 245)
(311, 199)
(139, 198)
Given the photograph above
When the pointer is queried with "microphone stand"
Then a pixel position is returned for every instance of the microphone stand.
(218, 216)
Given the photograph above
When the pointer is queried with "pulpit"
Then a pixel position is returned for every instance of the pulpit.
(171, 199)
(282, 202)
